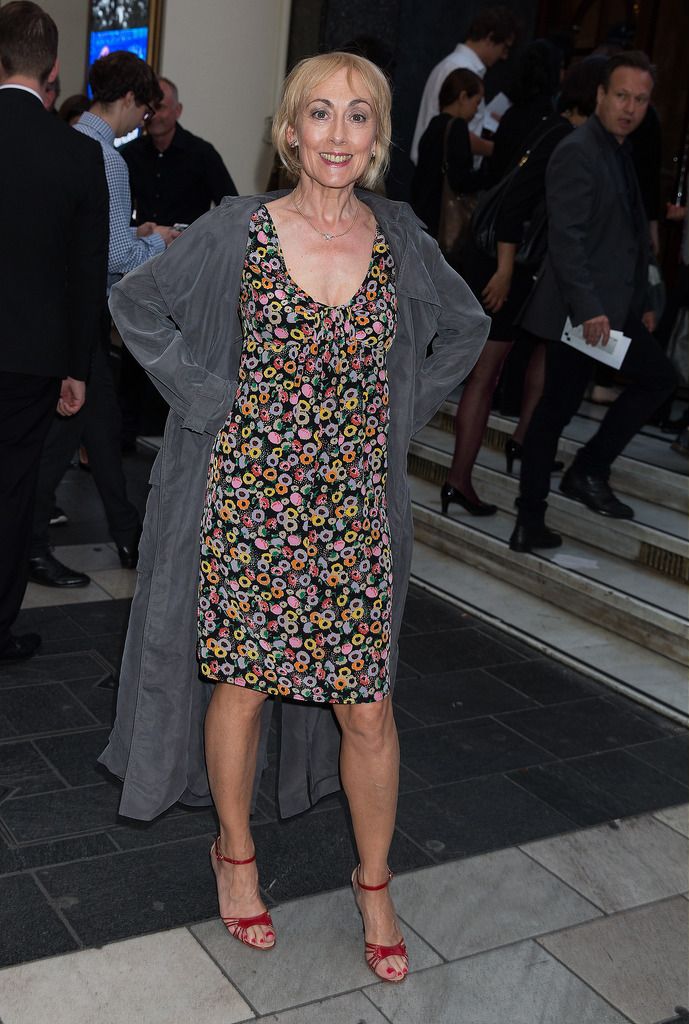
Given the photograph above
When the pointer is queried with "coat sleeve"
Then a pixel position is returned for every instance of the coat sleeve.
(87, 263)
(461, 333)
(144, 315)
(571, 197)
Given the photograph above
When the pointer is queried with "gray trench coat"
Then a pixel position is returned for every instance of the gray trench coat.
(178, 316)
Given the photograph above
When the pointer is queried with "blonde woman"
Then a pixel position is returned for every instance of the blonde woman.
(289, 335)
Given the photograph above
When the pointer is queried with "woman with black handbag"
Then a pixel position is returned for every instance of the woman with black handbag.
(499, 261)
(444, 181)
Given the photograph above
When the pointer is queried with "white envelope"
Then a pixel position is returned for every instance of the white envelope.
(611, 354)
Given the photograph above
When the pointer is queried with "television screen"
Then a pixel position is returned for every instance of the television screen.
(119, 25)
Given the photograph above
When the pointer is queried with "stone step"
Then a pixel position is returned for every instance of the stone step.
(632, 601)
(624, 666)
(649, 469)
(656, 538)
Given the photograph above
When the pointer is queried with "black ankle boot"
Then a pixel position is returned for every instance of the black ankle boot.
(526, 537)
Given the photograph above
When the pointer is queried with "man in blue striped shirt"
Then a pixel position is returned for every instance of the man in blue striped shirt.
(125, 91)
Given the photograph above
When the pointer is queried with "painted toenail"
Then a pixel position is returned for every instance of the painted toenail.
(391, 970)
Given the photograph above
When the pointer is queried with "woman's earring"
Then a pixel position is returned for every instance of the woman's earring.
(373, 155)
(294, 144)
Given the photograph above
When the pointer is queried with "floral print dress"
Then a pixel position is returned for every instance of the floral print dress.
(295, 583)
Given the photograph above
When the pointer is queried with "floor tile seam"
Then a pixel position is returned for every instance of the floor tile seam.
(18, 848)
(588, 985)
(597, 789)
(664, 824)
(32, 736)
(166, 842)
(71, 931)
(54, 769)
(643, 761)
(421, 849)
(64, 682)
(654, 814)
(560, 655)
(500, 720)
(235, 985)
(589, 899)
(562, 881)
(627, 749)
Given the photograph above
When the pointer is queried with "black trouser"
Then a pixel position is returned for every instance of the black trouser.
(98, 427)
(27, 405)
(651, 379)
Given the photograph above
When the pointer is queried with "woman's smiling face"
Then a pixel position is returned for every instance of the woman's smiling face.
(336, 131)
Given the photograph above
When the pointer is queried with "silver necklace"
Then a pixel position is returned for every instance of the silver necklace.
(328, 235)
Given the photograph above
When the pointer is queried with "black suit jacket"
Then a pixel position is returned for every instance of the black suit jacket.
(598, 240)
(53, 241)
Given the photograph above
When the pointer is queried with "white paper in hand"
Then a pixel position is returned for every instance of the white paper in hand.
(611, 354)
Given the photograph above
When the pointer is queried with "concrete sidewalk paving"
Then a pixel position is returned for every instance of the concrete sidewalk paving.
(589, 927)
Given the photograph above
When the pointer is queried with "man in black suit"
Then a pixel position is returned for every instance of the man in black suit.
(53, 266)
(595, 273)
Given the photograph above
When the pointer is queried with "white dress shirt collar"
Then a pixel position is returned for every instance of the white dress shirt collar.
(24, 88)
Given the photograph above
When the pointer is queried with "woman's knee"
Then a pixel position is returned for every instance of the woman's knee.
(367, 725)
(238, 700)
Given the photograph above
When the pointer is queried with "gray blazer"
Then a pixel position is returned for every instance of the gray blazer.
(598, 246)
(178, 315)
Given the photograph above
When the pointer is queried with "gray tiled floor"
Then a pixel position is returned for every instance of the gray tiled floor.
(498, 939)
(636, 960)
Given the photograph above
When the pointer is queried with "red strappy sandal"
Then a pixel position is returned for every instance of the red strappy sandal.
(238, 927)
(374, 954)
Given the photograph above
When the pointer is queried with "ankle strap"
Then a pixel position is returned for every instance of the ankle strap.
(230, 860)
(372, 888)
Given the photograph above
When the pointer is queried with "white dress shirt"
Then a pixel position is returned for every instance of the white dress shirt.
(461, 57)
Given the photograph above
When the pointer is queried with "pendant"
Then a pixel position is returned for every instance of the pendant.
(326, 236)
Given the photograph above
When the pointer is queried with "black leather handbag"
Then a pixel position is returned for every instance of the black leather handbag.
(534, 243)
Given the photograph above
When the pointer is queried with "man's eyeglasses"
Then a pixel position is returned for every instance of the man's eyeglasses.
(149, 112)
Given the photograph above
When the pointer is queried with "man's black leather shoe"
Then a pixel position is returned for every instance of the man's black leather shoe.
(49, 572)
(129, 554)
(18, 648)
(595, 493)
(525, 538)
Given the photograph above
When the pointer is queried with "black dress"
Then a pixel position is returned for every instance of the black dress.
(523, 197)
(427, 184)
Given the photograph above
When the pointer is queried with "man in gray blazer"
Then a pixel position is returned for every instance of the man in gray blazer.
(595, 273)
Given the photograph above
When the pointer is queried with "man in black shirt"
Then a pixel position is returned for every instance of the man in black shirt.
(175, 176)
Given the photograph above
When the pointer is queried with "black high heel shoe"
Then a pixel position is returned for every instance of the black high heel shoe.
(449, 494)
(513, 450)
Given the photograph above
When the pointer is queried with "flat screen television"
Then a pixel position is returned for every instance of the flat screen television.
(132, 25)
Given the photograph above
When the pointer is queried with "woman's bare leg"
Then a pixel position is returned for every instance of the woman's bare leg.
(232, 728)
(369, 768)
(534, 379)
(472, 415)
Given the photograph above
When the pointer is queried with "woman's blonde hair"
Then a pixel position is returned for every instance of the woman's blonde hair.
(301, 82)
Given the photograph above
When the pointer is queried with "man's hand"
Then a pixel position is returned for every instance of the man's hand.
(597, 330)
(496, 291)
(649, 321)
(675, 212)
(146, 229)
(72, 396)
(168, 235)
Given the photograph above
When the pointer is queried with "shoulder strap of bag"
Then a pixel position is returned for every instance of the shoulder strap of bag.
(444, 165)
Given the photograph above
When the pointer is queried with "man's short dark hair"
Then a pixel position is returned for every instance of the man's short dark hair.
(28, 40)
(629, 59)
(499, 24)
(580, 86)
(113, 76)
